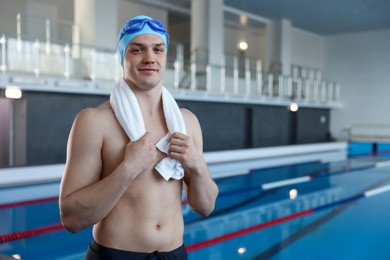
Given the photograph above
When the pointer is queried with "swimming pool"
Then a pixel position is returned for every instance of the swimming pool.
(312, 210)
(327, 220)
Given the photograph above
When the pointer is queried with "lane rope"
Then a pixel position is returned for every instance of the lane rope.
(27, 202)
(29, 233)
(297, 180)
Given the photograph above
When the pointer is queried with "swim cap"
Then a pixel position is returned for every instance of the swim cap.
(136, 26)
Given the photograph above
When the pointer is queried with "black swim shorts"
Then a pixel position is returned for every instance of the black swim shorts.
(99, 252)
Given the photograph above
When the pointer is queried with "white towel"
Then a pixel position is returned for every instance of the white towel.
(127, 111)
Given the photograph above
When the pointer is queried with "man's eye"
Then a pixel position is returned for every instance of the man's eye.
(136, 50)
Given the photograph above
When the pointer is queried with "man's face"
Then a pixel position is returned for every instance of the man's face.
(145, 60)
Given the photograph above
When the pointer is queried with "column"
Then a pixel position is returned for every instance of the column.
(207, 31)
(97, 20)
(279, 46)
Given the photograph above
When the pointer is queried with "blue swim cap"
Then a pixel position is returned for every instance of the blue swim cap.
(136, 26)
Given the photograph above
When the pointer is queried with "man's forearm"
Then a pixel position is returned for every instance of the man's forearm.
(91, 204)
(202, 191)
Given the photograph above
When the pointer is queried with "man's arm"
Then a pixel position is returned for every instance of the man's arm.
(201, 190)
(85, 198)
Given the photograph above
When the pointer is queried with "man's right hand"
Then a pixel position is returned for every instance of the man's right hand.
(141, 154)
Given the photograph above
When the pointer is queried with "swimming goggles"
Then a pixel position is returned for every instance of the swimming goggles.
(137, 25)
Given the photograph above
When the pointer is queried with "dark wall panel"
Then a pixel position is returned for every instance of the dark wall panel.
(312, 125)
(49, 120)
(270, 126)
(225, 126)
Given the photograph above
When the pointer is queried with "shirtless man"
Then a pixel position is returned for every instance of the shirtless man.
(110, 181)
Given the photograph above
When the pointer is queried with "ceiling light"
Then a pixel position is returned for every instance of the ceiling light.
(293, 107)
(243, 20)
(13, 92)
(243, 46)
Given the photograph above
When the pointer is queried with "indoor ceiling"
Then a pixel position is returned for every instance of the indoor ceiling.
(322, 17)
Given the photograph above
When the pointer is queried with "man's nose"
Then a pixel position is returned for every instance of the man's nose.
(148, 56)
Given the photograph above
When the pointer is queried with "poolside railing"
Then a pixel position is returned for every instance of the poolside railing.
(372, 133)
(27, 60)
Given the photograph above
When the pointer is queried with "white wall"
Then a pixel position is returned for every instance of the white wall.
(33, 16)
(361, 63)
(256, 42)
(306, 49)
(64, 7)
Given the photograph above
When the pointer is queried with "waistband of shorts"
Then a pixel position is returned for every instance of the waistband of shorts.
(95, 246)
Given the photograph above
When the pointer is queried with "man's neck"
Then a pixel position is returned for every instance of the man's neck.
(149, 100)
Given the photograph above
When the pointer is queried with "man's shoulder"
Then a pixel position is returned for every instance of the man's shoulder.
(187, 114)
(190, 119)
(101, 109)
(96, 115)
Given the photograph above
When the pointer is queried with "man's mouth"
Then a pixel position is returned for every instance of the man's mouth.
(148, 69)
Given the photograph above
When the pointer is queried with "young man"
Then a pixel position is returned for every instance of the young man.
(110, 181)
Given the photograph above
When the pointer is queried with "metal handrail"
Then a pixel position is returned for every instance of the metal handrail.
(82, 62)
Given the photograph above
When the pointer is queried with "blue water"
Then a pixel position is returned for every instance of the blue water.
(359, 230)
